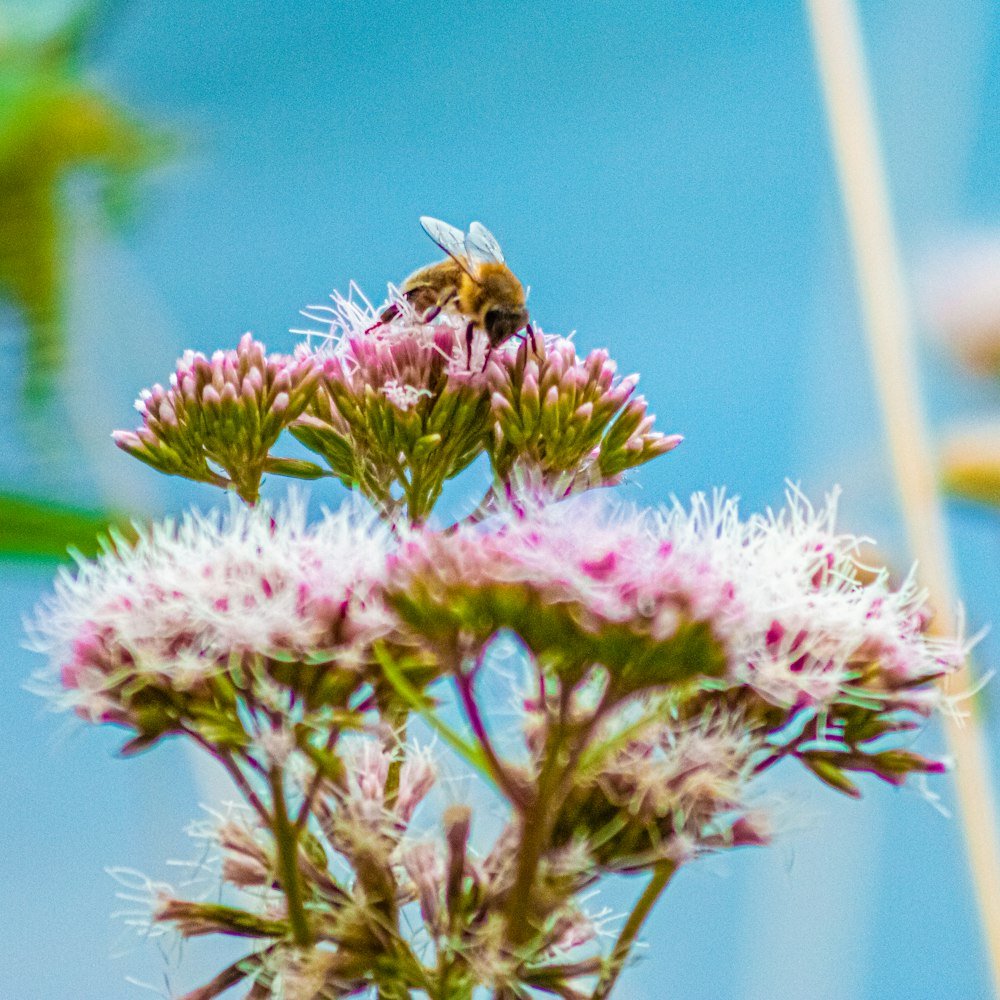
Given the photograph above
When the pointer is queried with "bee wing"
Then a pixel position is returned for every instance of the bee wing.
(448, 238)
(482, 245)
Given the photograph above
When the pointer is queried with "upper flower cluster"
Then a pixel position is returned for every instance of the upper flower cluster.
(223, 412)
(395, 409)
(406, 406)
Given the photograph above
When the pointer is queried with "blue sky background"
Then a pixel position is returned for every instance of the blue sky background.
(659, 173)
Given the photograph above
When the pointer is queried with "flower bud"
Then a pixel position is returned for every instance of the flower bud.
(226, 413)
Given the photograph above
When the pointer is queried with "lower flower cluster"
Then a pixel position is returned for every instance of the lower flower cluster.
(664, 661)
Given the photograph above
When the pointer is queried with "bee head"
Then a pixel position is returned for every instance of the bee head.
(502, 323)
(496, 299)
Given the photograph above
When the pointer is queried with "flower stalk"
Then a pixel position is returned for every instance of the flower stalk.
(658, 880)
(286, 839)
(852, 121)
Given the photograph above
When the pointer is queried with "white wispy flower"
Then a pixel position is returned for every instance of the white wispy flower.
(810, 623)
(688, 770)
(784, 594)
(363, 794)
(191, 594)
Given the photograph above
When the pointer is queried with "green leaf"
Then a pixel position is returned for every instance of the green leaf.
(36, 529)
(54, 124)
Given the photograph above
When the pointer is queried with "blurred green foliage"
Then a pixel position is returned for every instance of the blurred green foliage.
(33, 529)
(54, 124)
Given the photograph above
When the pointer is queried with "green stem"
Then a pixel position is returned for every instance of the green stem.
(535, 823)
(662, 873)
(286, 838)
(508, 785)
(225, 758)
(397, 722)
(317, 780)
(564, 745)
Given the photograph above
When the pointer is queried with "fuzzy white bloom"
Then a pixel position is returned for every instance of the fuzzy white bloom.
(190, 595)
(707, 761)
(367, 763)
(807, 622)
(689, 777)
(783, 593)
(302, 974)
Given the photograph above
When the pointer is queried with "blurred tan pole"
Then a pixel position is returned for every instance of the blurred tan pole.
(851, 118)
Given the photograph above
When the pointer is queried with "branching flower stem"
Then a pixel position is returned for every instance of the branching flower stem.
(662, 873)
(286, 838)
(238, 778)
(397, 722)
(564, 748)
(314, 785)
(536, 824)
(501, 775)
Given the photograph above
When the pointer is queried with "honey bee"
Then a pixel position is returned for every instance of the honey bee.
(473, 281)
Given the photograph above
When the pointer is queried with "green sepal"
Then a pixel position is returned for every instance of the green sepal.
(139, 744)
(217, 726)
(296, 468)
(830, 774)
(425, 445)
(221, 919)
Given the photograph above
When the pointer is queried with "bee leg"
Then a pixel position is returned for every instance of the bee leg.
(530, 330)
(387, 316)
(435, 310)
(469, 330)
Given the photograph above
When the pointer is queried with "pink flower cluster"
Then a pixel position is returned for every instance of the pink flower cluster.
(402, 408)
(782, 596)
(221, 413)
(774, 605)
(570, 418)
(399, 410)
(190, 599)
